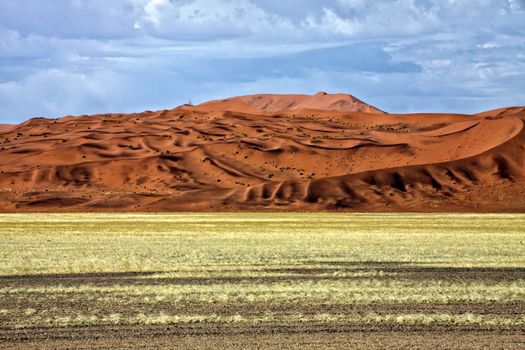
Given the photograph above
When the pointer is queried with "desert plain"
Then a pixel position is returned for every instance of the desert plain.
(262, 280)
(264, 221)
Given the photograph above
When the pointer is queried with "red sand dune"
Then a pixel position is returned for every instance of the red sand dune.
(267, 152)
(279, 103)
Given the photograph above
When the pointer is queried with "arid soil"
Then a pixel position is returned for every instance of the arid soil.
(266, 152)
(288, 335)
(169, 338)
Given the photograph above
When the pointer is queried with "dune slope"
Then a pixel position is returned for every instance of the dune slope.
(235, 154)
(6, 127)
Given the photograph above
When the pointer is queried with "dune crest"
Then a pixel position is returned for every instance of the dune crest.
(266, 152)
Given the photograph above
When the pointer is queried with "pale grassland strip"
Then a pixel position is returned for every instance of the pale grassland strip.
(85, 243)
(347, 291)
(445, 319)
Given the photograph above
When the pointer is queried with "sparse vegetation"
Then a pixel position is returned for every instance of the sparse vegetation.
(334, 270)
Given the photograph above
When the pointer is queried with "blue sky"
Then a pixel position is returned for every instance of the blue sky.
(71, 57)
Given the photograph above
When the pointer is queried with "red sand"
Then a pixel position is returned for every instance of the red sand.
(266, 152)
(6, 127)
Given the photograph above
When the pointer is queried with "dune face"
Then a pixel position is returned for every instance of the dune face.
(6, 127)
(266, 152)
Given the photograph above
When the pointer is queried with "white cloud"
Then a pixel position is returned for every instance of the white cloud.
(488, 45)
(354, 4)
(515, 5)
(56, 93)
(331, 22)
(209, 20)
(155, 11)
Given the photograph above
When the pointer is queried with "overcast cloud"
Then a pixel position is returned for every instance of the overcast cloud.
(62, 57)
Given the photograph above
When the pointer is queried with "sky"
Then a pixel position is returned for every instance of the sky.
(74, 57)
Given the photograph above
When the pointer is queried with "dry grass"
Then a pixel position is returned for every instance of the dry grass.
(348, 291)
(80, 243)
(373, 319)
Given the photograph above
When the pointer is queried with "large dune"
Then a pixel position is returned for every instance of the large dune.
(266, 152)
(280, 103)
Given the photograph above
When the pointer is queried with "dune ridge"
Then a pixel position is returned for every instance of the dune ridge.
(266, 152)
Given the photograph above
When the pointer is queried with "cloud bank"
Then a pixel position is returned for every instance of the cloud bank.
(66, 57)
